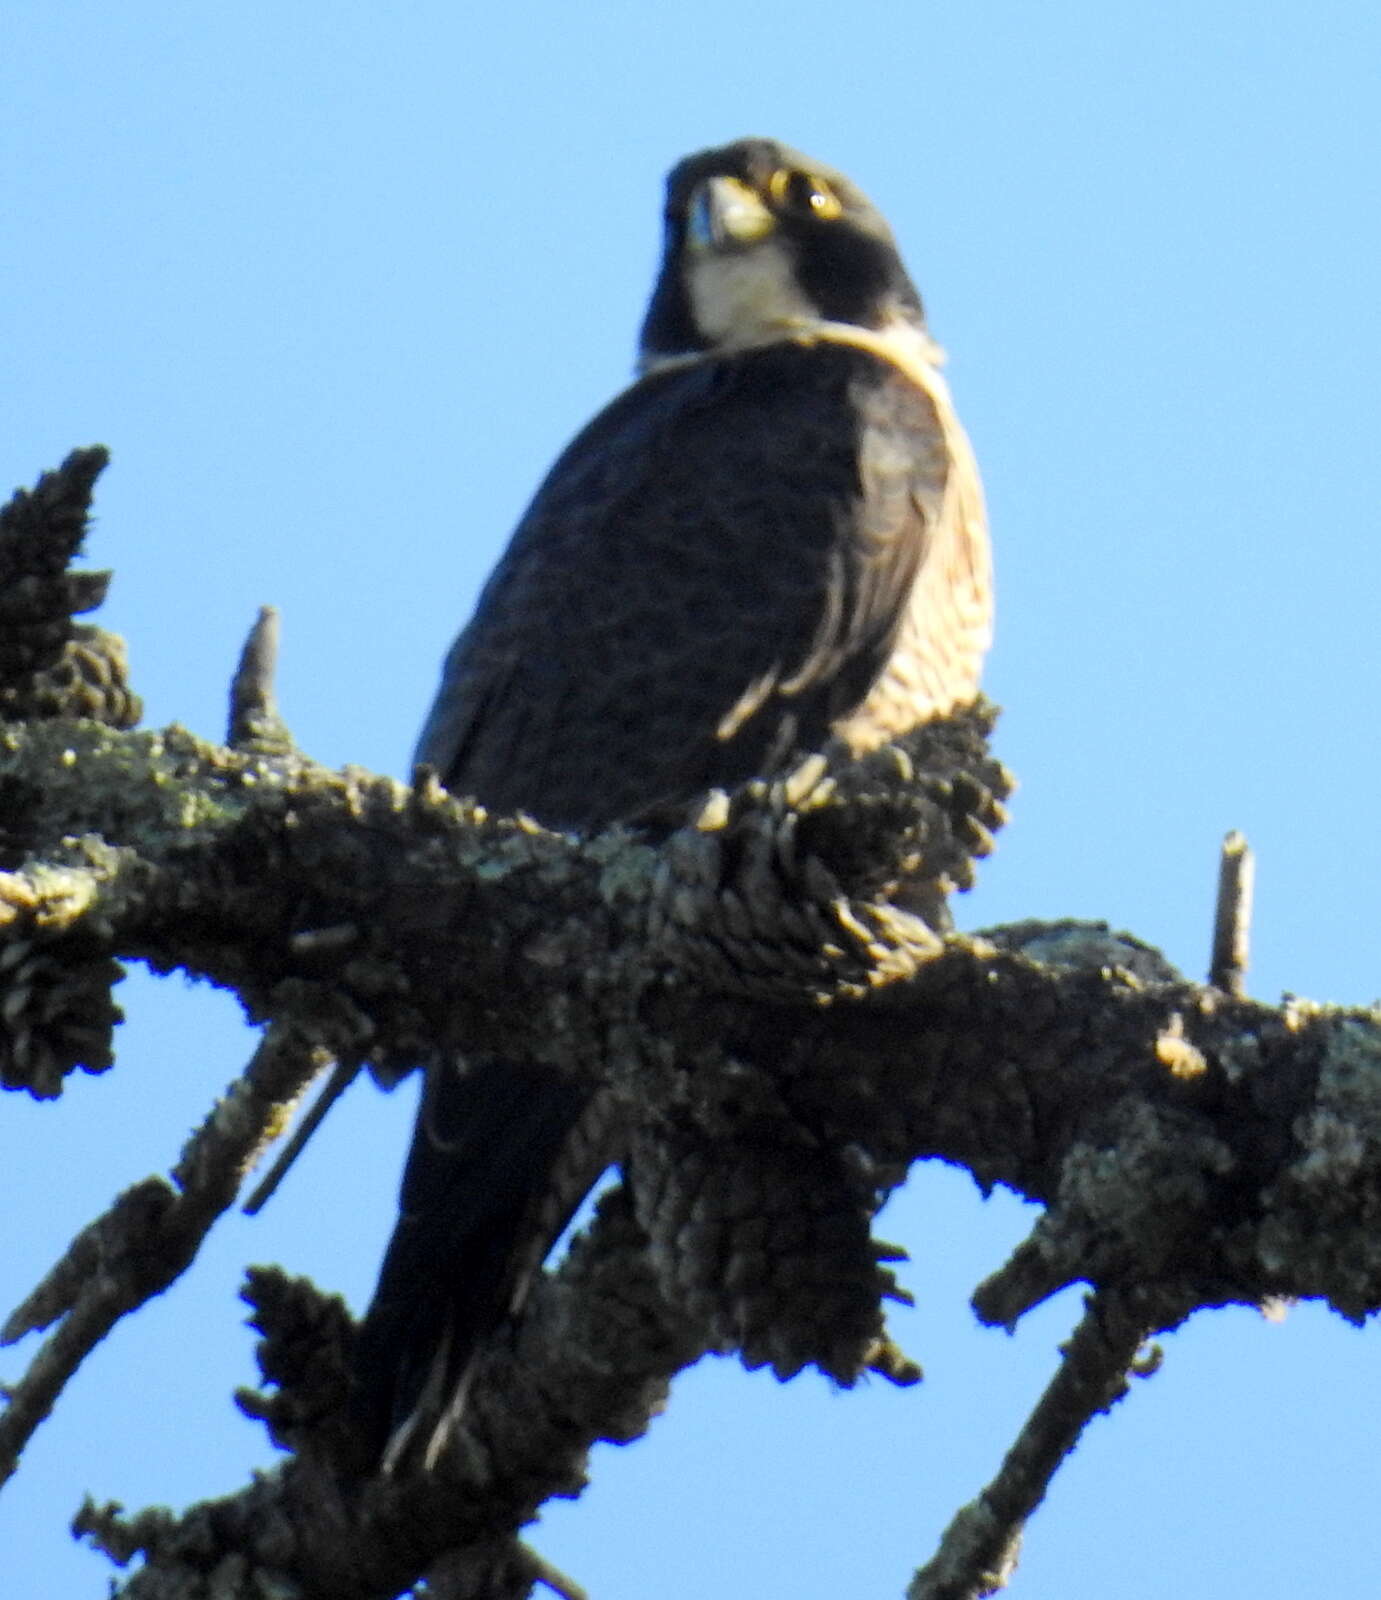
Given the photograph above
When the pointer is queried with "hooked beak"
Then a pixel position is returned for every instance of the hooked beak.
(725, 214)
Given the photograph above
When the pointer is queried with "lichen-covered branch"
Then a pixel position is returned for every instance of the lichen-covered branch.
(1179, 1137)
(1197, 1220)
(777, 1033)
(257, 871)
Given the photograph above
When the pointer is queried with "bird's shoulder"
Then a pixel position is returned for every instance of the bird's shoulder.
(728, 534)
(746, 444)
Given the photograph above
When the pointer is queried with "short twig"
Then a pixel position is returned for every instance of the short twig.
(340, 1080)
(1032, 1273)
(979, 1550)
(1232, 919)
(151, 1234)
(504, 1571)
(560, 1583)
(254, 720)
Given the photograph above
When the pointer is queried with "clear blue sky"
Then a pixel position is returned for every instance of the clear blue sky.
(335, 282)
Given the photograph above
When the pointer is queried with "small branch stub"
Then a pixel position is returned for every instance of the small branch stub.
(1233, 917)
(254, 720)
(343, 1075)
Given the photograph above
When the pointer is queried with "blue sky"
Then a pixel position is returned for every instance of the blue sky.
(335, 282)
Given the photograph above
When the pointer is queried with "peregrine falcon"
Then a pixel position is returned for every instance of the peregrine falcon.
(773, 538)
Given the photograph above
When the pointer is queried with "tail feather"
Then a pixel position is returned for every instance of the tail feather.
(501, 1157)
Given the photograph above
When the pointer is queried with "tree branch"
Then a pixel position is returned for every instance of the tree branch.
(979, 1550)
(150, 1235)
(592, 1360)
(776, 1040)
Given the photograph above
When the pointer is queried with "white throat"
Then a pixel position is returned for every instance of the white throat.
(746, 297)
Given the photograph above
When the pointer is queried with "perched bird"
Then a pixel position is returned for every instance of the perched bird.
(774, 537)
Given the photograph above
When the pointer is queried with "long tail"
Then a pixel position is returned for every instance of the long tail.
(501, 1157)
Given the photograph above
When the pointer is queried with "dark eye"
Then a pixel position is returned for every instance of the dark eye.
(804, 194)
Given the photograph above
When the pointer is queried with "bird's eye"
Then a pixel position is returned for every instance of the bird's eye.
(804, 193)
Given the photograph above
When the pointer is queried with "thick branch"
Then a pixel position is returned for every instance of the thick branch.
(255, 871)
(1154, 1115)
(742, 989)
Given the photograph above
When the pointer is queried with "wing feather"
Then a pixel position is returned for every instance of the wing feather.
(730, 546)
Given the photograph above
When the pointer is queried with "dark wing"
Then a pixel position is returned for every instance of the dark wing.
(714, 574)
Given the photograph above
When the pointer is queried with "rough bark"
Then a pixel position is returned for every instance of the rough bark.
(782, 1044)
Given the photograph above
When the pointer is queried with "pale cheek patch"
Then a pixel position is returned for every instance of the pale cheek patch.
(745, 297)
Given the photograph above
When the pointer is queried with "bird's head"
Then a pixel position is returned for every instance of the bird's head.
(762, 242)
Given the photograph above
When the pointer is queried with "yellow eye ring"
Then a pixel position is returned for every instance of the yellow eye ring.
(804, 193)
